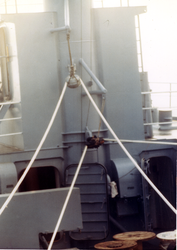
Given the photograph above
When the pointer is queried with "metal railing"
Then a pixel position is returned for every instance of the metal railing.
(121, 3)
(15, 6)
(171, 88)
(9, 119)
(6, 102)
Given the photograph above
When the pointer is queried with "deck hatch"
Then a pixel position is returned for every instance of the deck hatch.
(92, 181)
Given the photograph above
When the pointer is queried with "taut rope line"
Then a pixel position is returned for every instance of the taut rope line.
(36, 152)
(126, 152)
(146, 142)
(67, 198)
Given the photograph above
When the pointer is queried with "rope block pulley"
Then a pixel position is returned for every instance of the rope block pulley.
(94, 141)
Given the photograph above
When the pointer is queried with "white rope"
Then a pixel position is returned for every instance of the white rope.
(67, 199)
(146, 142)
(127, 153)
(36, 152)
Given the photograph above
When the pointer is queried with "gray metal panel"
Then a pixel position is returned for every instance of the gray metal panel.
(117, 55)
(129, 178)
(8, 177)
(37, 59)
(75, 106)
(30, 213)
(75, 109)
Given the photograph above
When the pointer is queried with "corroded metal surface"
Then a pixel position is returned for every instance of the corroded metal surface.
(116, 245)
(136, 236)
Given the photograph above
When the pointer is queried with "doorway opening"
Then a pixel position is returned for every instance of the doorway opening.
(39, 178)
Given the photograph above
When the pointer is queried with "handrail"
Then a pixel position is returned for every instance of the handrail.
(159, 108)
(10, 119)
(98, 83)
(10, 102)
(159, 123)
(169, 91)
(126, 151)
(36, 152)
(18, 133)
(60, 29)
(158, 92)
(67, 20)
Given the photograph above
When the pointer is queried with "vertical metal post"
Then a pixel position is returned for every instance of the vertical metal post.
(66, 13)
(140, 42)
(16, 6)
(5, 3)
(170, 94)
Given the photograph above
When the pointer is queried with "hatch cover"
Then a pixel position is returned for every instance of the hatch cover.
(92, 181)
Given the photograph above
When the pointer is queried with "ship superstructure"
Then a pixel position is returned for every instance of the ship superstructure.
(64, 63)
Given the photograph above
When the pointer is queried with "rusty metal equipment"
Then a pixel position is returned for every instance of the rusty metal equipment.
(94, 141)
(116, 245)
(137, 236)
